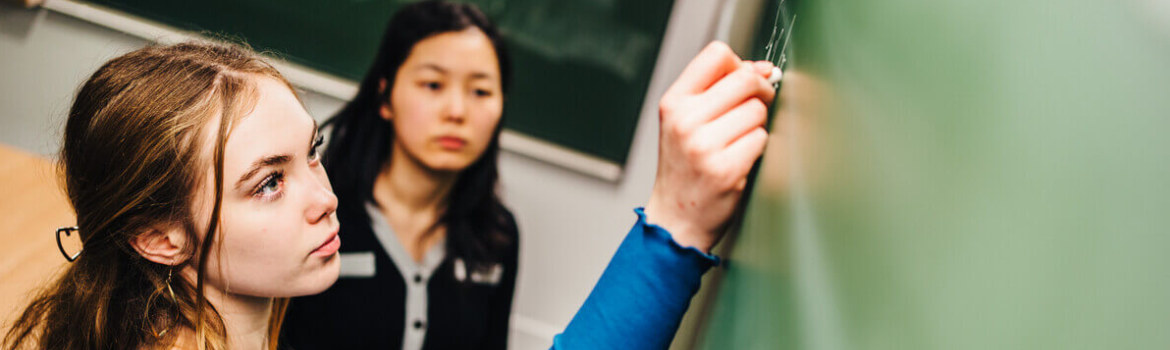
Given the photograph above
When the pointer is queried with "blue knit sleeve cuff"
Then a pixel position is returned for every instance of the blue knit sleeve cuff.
(642, 296)
(658, 233)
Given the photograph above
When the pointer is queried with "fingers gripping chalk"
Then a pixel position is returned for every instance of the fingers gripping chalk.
(776, 76)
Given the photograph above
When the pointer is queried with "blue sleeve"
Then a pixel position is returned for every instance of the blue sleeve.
(642, 295)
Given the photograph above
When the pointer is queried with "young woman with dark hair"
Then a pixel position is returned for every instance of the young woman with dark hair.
(430, 252)
(429, 257)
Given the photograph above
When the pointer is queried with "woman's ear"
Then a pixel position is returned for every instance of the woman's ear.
(384, 111)
(384, 108)
(160, 245)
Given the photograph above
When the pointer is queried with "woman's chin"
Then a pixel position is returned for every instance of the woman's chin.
(452, 162)
(316, 280)
(325, 276)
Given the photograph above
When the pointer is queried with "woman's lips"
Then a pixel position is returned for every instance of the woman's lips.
(329, 247)
(451, 142)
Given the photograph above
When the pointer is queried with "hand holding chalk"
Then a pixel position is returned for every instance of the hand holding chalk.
(711, 131)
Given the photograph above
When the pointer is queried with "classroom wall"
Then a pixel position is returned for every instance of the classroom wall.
(570, 222)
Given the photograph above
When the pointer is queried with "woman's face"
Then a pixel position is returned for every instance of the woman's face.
(447, 100)
(278, 233)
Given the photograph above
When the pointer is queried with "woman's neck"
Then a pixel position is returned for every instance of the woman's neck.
(411, 185)
(245, 318)
(412, 198)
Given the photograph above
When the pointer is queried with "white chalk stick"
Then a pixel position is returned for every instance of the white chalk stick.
(776, 76)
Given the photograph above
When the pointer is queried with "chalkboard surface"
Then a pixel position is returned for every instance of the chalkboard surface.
(581, 67)
(951, 174)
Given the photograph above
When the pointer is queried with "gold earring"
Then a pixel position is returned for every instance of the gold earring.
(173, 299)
(169, 290)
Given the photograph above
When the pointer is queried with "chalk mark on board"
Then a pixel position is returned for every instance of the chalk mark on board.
(768, 50)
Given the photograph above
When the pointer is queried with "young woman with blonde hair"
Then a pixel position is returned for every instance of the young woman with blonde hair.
(191, 238)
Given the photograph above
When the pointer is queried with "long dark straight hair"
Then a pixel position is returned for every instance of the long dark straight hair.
(360, 141)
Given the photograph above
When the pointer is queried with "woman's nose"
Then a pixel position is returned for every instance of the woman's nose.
(456, 107)
(324, 202)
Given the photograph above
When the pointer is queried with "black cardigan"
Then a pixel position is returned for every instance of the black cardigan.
(368, 313)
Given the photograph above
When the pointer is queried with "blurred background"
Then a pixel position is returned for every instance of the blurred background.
(957, 175)
(941, 174)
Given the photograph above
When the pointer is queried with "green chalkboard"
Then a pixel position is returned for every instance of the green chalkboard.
(581, 67)
(954, 174)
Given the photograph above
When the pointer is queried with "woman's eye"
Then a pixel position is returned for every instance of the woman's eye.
(314, 152)
(432, 85)
(482, 93)
(270, 187)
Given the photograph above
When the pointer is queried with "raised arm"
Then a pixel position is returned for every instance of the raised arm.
(711, 130)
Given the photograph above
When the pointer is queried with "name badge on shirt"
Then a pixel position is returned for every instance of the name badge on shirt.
(357, 264)
(489, 276)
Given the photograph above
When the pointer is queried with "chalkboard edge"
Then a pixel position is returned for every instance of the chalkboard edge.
(332, 86)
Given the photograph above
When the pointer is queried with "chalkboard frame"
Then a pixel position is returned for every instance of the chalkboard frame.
(525, 139)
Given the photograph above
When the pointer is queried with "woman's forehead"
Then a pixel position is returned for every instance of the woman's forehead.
(277, 124)
(466, 51)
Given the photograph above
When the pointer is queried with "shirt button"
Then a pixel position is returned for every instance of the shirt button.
(418, 324)
(417, 278)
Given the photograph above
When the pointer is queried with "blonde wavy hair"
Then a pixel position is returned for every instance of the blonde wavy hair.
(132, 159)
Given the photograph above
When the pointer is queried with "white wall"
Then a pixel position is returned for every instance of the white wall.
(570, 223)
